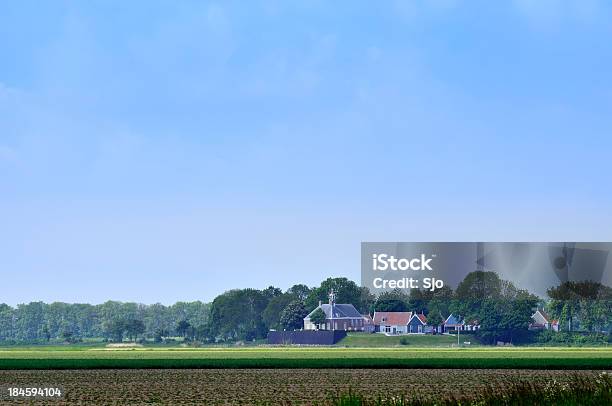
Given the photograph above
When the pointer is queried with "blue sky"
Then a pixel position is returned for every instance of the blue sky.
(164, 151)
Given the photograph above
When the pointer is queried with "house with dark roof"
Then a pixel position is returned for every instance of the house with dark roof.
(456, 323)
(339, 317)
(542, 321)
(418, 324)
(452, 323)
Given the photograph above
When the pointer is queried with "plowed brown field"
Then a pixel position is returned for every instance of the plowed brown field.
(266, 386)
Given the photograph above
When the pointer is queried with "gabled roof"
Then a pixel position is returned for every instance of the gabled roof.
(452, 320)
(420, 317)
(392, 318)
(544, 315)
(341, 311)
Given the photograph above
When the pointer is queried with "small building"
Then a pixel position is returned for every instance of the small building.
(339, 317)
(452, 324)
(401, 323)
(417, 324)
(392, 322)
(472, 325)
(542, 321)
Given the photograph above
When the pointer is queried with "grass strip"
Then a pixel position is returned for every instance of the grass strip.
(347, 362)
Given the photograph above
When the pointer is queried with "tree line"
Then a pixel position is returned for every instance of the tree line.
(502, 310)
(239, 314)
(112, 320)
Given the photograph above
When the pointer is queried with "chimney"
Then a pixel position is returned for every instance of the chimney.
(320, 303)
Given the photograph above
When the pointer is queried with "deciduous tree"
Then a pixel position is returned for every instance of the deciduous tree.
(292, 317)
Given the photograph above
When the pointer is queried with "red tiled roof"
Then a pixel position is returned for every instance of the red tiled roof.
(422, 318)
(392, 318)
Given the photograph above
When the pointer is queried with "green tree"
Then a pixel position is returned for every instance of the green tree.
(292, 317)
(160, 334)
(134, 328)
(37, 320)
(67, 333)
(158, 320)
(439, 306)
(575, 290)
(490, 319)
(203, 332)
(300, 291)
(586, 302)
(112, 316)
(599, 315)
(504, 312)
(7, 316)
(417, 301)
(515, 317)
(29, 319)
(318, 318)
(479, 285)
(182, 328)
(505, 319)
(346, 291)
(271, 292)
(366, 300)
(46, 333)
(237, 314)
(114, 329)
(394, 301)
(434, 318)
(272, 313)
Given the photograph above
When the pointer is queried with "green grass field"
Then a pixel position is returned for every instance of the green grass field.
(364, 340)
(296, 357)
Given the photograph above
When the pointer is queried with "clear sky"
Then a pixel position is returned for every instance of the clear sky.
(162, 151)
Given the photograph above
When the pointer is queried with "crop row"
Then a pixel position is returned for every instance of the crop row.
(349, 363)
(307, 358)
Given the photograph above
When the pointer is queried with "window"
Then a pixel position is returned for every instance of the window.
(387, 329)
